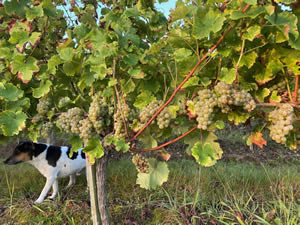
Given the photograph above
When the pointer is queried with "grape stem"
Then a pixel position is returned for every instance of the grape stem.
(277, 104)
(165, 144)
(296, 89)
(118, 99)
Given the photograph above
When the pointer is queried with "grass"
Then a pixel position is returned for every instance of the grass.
(228, 193)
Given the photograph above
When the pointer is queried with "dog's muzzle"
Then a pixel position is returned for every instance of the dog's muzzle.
(10, 161)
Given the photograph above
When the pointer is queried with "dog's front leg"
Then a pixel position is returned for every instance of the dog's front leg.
(49, 183)
(55, 189)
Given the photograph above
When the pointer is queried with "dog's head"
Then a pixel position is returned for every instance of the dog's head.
(22, 153)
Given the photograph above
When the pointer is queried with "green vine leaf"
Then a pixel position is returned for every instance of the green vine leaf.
(207, 22)
(274, 97)
(76, 143)
(34, 12)
(42, 90)
(12, 122)
(158, 174)
(208, 151)
(25, 67)
(227, 75)
(262, 94)
(94, 150)
(9, 92)
(252, 32)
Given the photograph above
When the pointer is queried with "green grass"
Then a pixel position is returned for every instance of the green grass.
(228, 193)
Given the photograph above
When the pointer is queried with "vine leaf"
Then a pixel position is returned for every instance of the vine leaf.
(182, 53)
(227, 75)
(76, 143)
(143, 99)
(262, 94)
(12, 122)
(257, 138)
(248, 59)
(208, 151)
(238, 117)
(32, 13)
(251, 13)
(120, 145)
(274, 97)
(190, 106)
(94, 150)
(286, 22)
(252, 32)
(158, 174)
(43, 89)
(205, 23)
(24, 67)
(10, 92)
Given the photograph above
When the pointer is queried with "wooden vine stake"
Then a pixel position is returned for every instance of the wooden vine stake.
(91, 180)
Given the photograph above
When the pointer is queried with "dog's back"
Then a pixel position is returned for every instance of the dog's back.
(57, 160)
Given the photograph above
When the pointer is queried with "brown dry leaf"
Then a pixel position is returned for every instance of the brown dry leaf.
(258, 139)
(165, 155)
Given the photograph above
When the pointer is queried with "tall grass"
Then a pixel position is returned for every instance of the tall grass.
(228, 193)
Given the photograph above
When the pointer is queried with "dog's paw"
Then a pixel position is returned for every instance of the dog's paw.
(51, 197)
(38, 202)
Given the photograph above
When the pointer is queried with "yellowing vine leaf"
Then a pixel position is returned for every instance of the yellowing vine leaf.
(158, 174)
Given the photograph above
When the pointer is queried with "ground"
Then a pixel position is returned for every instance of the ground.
(258, 186)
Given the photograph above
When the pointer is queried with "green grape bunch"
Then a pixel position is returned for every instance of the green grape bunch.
(282, 120)
(46, 129)
(42, 108)
(69, 121)
(44, 105)
(148, 111)
(85, 129)
(163, 119)
(228, 96)
(141, 163)
(204, 107)
(280, 87)
(118, 121)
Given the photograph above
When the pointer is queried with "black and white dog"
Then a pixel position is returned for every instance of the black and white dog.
(52, 162)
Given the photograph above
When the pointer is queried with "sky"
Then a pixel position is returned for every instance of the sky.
(166, 6)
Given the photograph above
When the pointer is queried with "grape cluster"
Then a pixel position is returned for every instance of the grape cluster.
(148, 111)
(204, 107)
(86, 129)
(42, 108)
(141, 163)
(182, 109)
(46, 129)
(282, 120)
(227, 96)
(69, 121)
(96, 112)
(44, 105)
(36, 118)
(118, 121)
(163, 119)
(280, 87)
